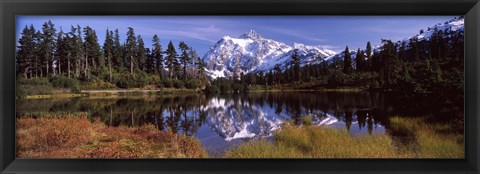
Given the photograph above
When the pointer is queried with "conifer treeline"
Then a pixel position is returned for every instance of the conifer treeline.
(419, 66)
(77, 54)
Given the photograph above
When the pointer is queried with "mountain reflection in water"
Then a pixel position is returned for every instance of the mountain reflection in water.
(223, 121)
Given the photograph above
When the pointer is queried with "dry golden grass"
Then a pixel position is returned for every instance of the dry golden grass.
(77, 137)
(322, 142)
(317, 142)
(432, 140)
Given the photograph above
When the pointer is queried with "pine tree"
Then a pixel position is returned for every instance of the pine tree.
(414, 49)
(47, 47)
(131, 46)
(26, 52)
(278, 74)
(62, 52)
(37, 63)
(201, 68)
(93, 55)
(149, 63)
(369, 54)
(360, 61)
(402, 51)
(157, 55)
(184, 58)
(117, 51)
(296, 65)
(108, 50)
(192, 53)
(141, 53)
(77, 49)
(347, 62)
(171, 59)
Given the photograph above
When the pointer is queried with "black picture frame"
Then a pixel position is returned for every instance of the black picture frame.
(10, 8)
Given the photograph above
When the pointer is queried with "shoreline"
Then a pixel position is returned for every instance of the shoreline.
(114, 92)
(110, 92)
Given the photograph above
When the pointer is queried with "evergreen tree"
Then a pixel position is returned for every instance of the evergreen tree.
(47, 48)
(77, 49)
(141, 53)
(402, 51)
(369, 54)
(296, 65)
(150, 62)
(278, 74)
(26, 52)
(360, 61)
(157, 55)
(37, 63)
(184, 58)
(117, 51)
(414, 49)
(390, 62)
(108, 51)
(131, 47)
(93, 55)
(62, 52)
(347, 62)
(201, 68)
(171, 59)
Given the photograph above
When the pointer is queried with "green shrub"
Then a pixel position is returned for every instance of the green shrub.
(34, 86)
(154, 79)
(212, 89)
(178, 84)
(64, 82)
(98, 84)
(131, 81)
(75, 90)
(168, 83)
(191, 83)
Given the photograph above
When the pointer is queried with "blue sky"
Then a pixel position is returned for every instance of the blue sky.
(201, 32)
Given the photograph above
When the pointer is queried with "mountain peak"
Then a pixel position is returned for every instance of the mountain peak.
(251, 34)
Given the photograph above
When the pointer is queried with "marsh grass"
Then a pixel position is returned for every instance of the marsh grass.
(432, 141)
(316, 142)
(77, 137)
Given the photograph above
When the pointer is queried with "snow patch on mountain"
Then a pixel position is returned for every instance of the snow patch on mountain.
(449, 27)
(252, 52)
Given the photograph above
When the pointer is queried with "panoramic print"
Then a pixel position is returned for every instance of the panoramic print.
(240, 87)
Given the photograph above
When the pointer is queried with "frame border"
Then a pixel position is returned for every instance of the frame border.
(11, 8)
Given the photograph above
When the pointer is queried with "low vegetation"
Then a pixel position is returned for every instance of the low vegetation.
(431, 141)
(77, 137)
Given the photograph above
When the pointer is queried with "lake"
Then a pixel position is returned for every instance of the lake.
(221, 122)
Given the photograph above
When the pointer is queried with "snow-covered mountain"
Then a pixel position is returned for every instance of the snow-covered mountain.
(449, 27)
(253, 53)
(236, 119)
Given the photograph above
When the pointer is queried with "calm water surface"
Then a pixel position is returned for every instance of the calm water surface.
(223, 121)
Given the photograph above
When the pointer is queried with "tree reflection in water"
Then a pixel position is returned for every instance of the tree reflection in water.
(227, 118)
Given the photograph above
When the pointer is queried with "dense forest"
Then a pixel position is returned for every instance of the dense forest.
(75, 59)
(414, 66)
(48, 58)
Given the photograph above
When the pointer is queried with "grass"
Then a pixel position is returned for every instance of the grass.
(66, 95)
(322, 142)
(77, 137)
(307, 120)
(74, 136)
(302, 87)
(431, 140)
(316, 142)
(111, 92)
